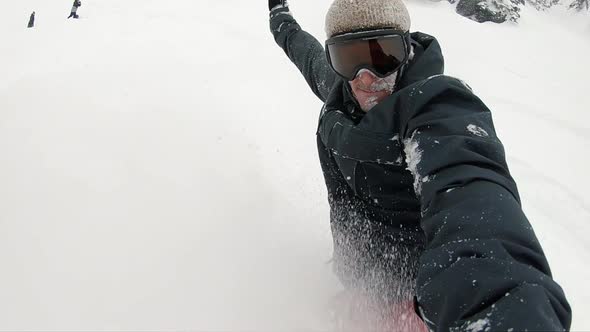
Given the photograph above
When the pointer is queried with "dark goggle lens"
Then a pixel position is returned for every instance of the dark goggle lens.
(382, 55)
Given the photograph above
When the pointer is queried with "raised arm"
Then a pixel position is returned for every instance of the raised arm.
(483, 268)
(302, 48)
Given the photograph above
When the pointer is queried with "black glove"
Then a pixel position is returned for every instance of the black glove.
(273, 3)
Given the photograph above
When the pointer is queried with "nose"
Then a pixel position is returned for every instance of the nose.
(365, 78)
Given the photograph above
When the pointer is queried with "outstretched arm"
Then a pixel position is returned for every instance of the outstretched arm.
(483, 268)
(302, 48)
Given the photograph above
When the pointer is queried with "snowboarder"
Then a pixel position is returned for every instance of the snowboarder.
(31, 20)
(423, 210)
(74, 11)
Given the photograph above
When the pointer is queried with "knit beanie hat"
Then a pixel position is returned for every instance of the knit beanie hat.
(354, 15)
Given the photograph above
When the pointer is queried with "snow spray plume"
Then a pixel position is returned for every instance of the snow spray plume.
(378, 270)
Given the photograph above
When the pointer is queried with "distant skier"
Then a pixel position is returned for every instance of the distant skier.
(73, 14)
(424, 212)
(31, 20)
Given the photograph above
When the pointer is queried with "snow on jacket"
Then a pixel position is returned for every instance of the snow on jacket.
(422, 177)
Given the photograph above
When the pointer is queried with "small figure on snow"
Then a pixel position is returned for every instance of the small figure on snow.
(424, 213)
(75, 6)
(31, 20)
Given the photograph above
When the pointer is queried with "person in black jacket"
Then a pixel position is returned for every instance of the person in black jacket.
(422, 204)
(74, 11)
(31, 20)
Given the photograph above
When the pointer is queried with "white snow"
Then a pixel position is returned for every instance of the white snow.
(477, 131)
(413, 158)
(478, 326)
(148, 180)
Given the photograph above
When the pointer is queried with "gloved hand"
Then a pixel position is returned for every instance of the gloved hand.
(274, 3)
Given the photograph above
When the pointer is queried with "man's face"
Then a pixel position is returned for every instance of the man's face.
(369, 90)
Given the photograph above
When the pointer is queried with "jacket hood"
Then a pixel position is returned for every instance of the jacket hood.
(428, 60)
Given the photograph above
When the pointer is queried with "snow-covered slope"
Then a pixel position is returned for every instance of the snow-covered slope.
(158, 167)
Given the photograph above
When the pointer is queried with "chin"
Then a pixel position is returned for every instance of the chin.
(367, 108)
(372, 101)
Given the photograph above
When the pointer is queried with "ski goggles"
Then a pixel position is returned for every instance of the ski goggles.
(383, 52)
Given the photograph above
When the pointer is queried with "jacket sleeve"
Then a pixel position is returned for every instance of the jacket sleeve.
(483, 268)
(303, 50)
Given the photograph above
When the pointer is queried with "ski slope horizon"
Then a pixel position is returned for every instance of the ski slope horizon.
(158, 167)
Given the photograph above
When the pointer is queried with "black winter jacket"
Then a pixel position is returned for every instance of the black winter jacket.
(421, 198)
